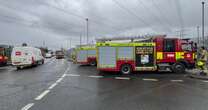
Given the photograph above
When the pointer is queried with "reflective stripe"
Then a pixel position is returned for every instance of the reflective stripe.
(106, 66)
(159, 55)
(194, 56)
(179, 55)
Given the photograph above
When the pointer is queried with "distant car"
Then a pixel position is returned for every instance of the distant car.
(26, 56)
(48, 55)
(59, 54)
(3, 58)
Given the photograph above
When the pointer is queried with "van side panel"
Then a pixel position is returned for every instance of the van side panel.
(24, 56)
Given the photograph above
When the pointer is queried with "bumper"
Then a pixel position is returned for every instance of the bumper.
(108, 69)
(59, 57)
(82, 63)
(191, 65)
(21, 64)
(3, 63)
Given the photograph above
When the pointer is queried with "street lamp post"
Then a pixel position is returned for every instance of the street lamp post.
(87, 30)
(80, 40)
(203, 23)
(70, 43)
(198, 38)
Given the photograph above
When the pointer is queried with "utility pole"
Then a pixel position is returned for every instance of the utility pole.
(70, 43)
(87, 30)
(67, 44)
(198, 38)
(43, 43)
(181, 33)
(80, 40)
(203, 23)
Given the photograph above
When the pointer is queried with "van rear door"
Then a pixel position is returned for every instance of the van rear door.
(21, 56)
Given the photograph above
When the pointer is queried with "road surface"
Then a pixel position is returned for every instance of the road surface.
(61, 85)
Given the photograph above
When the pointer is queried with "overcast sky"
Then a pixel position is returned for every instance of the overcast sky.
(54, 22)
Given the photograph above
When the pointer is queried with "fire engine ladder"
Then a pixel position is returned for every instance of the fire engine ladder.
(86, 45)
(132, 39)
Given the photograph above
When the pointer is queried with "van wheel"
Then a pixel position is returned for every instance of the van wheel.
(126, 69)
(178, 68)
(42, 62)
(93, 63)
(35, 64)
(18, 67)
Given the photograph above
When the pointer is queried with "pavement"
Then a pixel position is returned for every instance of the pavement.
(196, 73)
(61, 85)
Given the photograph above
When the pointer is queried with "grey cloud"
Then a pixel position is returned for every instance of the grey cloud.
(65, 19)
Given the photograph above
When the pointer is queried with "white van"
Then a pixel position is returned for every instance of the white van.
(26, 56)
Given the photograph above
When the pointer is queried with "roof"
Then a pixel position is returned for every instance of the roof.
(4, 46)
(129, 38)
(86, 48)
(125, 44)
(86, 45)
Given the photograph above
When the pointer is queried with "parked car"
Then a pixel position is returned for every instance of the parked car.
(3, 58)
(59, 54)
(26, 56)
(48, 55)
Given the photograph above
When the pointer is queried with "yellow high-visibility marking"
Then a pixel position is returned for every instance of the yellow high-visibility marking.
(159, 55)
(179, 55)
(194, 55)
(106, 66)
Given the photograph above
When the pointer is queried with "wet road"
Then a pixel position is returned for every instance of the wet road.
(60, 85)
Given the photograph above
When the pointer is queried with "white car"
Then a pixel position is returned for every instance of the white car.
(26, 56)
(48, 55)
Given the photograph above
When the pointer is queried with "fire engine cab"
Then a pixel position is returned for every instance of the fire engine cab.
(145, 53)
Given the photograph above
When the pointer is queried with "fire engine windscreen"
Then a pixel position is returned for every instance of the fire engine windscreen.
(186, 47)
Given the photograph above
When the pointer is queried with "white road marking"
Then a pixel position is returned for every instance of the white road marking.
(64, 75)
(59, 80)
(149, 79)
(42, 95)
(95, 76)
(72, 75)
(11, 69)
(66, 70)
(49, 63)
(28, 106)
(125, 78)
(176, 80)
(52, 86)
(205, 81)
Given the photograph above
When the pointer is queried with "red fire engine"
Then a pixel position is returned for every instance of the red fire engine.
(147, 53)
(85, 54)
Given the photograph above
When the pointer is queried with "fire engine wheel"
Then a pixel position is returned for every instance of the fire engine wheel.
(93, 63)
(18, 67)
(42, 62)
(178, 68)
(126, 69)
